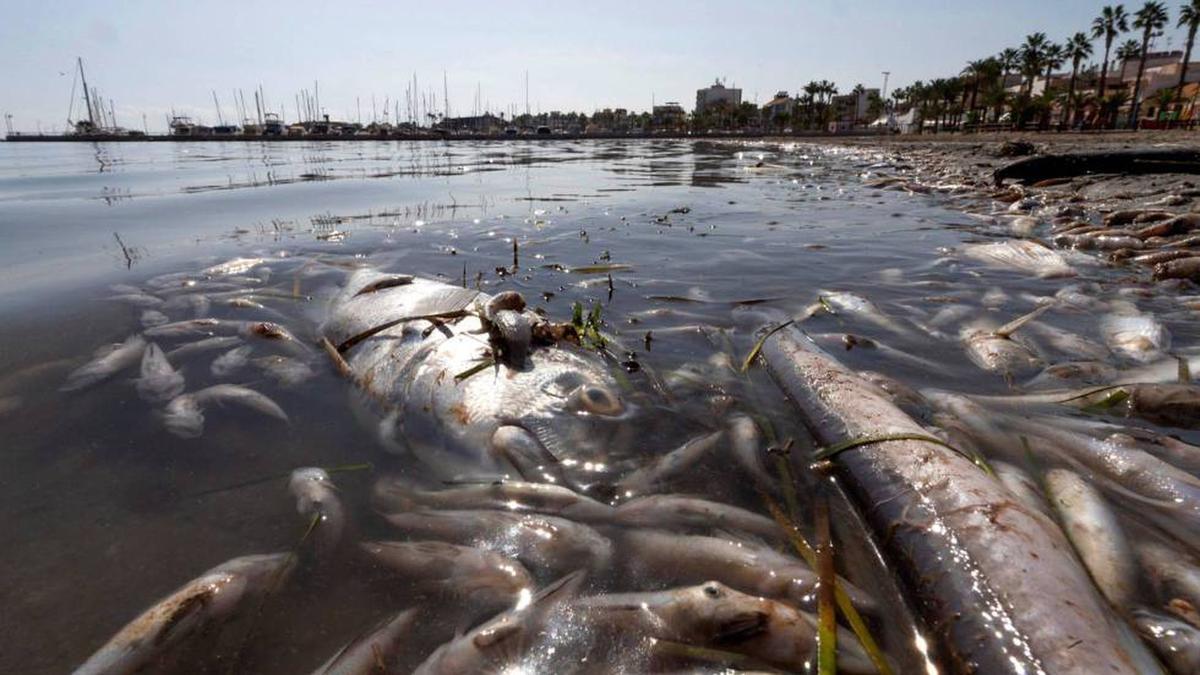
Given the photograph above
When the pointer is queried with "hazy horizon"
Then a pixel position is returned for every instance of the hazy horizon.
(151, 59)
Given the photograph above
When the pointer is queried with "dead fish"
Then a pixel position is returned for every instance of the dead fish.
(110, 363)
(1176, 642)
(188, 328)
(1172, 405)
(1135, 336)
(714, 615)
(499, 643)
(901, 395)
(853, 304)
(1173, 575)
(153, 317)
(1022, 255)
(184, 415)
(375, 651)
(479, 576)
(994, 298)
(1021, 485)
(1096, 535)
(541, 542)
(1181, 268)
(200, 346)
(1073, 373)
(159, 381)
(994, 350)
(395, 494)
(1164, 494)
(231, 267)
(746, 442)
(1023, 226)
(139, 300)
(666, 467)
(560, 413)
(285, 370)
(317, 500)
(678, 512)
(231, 361)
(674, 559)
(1069, 344)
(209, 600)
(1080, 296)
(198, 304)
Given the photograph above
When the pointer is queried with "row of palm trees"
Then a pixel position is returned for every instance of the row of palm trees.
(980, 90)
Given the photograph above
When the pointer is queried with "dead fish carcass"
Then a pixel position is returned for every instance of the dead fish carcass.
(716, 616)
(464, 400)
(1023, 255)
(209, 600)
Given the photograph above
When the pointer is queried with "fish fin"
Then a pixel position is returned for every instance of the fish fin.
(559, 590)
(1013, 326)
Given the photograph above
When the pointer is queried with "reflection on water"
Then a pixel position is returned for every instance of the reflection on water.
(692, 248)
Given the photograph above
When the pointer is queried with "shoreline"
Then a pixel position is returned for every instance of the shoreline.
(1146, 223)
(851, 137)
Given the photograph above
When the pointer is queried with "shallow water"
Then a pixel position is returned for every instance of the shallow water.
(105, 512)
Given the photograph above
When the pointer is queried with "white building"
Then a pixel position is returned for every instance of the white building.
(718, 93)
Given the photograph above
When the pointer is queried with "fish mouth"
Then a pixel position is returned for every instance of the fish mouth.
(741, 627)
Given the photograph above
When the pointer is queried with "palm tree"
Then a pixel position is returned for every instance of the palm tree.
(1052, 58)
(1109, 25)
(1189, 15)
(1032, 58)
(1077, 49)
(1009, 59)
(1151, 18)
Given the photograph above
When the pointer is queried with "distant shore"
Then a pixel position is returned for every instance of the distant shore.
(855, 136)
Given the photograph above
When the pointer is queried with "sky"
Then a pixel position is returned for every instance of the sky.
(151, 58)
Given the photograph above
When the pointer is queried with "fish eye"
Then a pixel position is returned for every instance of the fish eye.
(596, 400)
(712, 590)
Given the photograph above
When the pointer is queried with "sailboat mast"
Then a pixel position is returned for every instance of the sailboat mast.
(86, 95)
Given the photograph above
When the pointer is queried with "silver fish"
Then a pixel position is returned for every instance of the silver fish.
(479, 576)
(1172, 574)
(1176, 642)
(317, 500)
(285, 370)
(504, 640)
(677, 512)
(1021, 485)
(375, 651)
(231, 361)
(395, 494)
(110, 363)
(675, 559)
(714, 615)
(184, 415)
(159, 381)
(139, 300)
(207, 344)
(746, 442)
(437, 403)
(153, 317)
(1096, 534)
(1022, 255)
(1136, 336)
(666, 467)
(213, 598)
(956, 530)
(540, 542)
(853, 304)
(232, 267)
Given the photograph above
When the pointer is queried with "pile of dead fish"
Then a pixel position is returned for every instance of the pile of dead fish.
(197, 315)
(539, 575)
